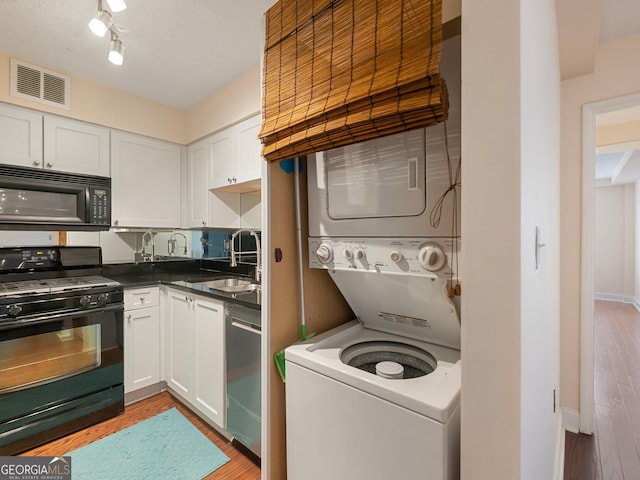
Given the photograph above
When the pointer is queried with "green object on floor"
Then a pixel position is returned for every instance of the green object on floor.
(166, 446)
(279, 355)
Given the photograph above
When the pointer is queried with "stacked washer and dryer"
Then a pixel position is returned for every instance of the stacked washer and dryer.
(379, 397)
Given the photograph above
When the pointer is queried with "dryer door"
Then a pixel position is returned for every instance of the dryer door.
(384, 177)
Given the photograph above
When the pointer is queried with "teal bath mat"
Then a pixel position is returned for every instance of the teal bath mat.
(166, 446)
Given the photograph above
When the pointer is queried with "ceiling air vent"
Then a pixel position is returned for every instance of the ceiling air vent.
(40, 85)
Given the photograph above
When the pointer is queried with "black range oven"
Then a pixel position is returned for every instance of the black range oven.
(61, 344)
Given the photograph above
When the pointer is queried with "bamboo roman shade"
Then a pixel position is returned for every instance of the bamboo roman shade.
(338, 72)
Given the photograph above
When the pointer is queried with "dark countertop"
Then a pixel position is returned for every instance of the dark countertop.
(183, 276)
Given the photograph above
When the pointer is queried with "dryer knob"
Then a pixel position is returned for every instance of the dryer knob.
(396, 256)
(324, 253)
(360, 255)
(348, 254)
(432, 258)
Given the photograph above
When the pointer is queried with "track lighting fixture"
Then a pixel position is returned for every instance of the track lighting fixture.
(116, 52)
(103, 23)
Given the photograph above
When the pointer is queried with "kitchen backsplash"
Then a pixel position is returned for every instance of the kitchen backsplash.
(139, 246)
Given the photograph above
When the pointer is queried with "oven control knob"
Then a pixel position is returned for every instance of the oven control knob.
(85, 300)
(103, 298)
(324, 253)
(15, 310)
(360, 255)
(396, 256)
(432, 257)
(348, 254)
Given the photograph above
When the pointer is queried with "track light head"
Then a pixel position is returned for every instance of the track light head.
(116, 51)
(101, 23)
(117, 5)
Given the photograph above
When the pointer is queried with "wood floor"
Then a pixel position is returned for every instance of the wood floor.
(612, 452)
(239, 468)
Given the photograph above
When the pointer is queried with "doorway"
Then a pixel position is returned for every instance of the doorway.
(590, 115)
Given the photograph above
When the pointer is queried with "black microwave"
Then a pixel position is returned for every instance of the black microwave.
(39, 199)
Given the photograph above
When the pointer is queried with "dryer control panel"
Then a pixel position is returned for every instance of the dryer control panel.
(426, 255)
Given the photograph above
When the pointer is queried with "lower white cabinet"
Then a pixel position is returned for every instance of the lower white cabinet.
(141, 338)
(195, 353)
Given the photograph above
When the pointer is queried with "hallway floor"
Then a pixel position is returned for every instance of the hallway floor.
(612, 452)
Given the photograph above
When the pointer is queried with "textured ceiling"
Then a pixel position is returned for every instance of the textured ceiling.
(177, 51)
(180, 51)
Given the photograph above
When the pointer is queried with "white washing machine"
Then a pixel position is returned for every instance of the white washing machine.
(379, 397)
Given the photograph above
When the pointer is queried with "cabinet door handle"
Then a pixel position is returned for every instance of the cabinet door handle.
(141, 299)
(204, 223)
(235, 179)
(49, 164)
(129, 319)
(36, 163)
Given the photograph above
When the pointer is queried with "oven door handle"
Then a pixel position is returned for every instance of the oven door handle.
(48, 318)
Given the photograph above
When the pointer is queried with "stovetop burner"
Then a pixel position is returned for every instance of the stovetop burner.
(53, 285)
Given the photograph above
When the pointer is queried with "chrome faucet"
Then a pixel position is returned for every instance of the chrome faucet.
(234, 263)
(145, 256)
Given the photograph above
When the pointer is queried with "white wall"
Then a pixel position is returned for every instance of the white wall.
(617, 73)
(611, 263)
(510, 311)
(630, 240)
(540, 198)
(636, 259)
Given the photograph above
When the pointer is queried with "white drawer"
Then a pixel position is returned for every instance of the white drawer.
(141, 298)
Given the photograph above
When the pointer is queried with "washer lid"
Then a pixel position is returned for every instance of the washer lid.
(415, 306)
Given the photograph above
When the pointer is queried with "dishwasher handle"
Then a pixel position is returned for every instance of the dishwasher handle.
(248, 326)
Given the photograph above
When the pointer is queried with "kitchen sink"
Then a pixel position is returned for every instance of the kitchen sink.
(233, 285)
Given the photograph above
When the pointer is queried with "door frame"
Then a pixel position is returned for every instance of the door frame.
(590, 112)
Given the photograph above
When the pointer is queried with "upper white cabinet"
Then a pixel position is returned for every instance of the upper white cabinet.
(222, 168)
(235, 157)
(73, 146)
(32, 139)
(145, 175)
(248, 150)
(20, 137)
(198, 155)
(222, 164)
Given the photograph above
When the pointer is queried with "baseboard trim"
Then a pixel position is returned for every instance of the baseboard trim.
(558, 471)
(636, 303)
(143, 393)
(609, 297)
(571, 420)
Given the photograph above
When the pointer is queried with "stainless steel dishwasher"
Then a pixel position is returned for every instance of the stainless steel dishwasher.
(243, 331)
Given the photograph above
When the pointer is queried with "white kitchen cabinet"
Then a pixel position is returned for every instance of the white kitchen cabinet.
(209, 392)
(72, 146)
(195, 353)
(141, 338)
(231, 161)
(198, 155)
(145, 176)
(248, 150)
(20, 137)
(222, 165)
(179, 344)
(31, 139)
(236, 161)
